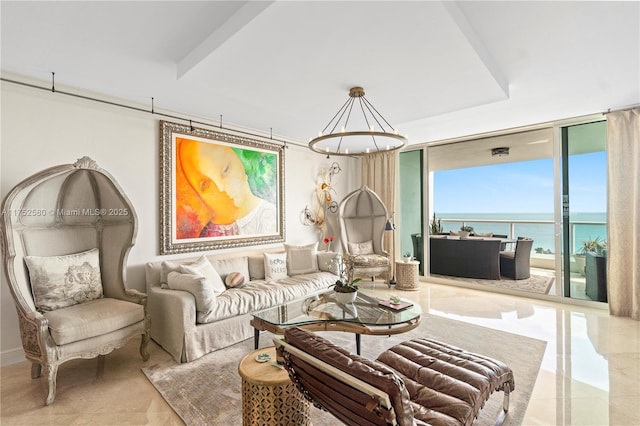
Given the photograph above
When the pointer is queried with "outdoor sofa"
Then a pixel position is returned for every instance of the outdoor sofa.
(471, 258)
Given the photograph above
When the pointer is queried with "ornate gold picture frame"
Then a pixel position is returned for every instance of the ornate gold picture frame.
(218, 190)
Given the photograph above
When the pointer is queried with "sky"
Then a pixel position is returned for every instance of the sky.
(522, 187)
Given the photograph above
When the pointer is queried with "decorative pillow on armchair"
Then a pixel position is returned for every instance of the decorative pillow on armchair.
(61, 281)
(365, 247)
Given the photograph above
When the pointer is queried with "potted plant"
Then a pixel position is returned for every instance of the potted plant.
(436, 225)
(465, 231)
(590, 245)
(407, 257)
(346, 287)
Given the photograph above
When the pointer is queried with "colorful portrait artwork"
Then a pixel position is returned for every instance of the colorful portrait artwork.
(223, 192)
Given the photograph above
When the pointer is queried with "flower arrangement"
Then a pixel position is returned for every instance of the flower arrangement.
(328, 241)
(344, 284)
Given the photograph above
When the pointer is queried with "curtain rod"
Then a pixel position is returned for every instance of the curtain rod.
(627, 108)
(152, 111)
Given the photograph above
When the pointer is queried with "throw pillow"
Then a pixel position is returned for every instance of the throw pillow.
(61, 281)
(302, 259)
(488, 234)
(234, 264)
(275, 266)
(234, 280)
(256, 267)
(203, 267)
(329, 262)
(365, 247)
(166, 267)
(196, 284)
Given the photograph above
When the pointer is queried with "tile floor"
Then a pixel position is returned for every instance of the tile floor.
(590, 374)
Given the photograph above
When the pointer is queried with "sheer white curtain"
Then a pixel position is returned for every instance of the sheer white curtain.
(623, 240)
(379, 174)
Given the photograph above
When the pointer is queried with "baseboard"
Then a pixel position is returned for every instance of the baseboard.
(12, 356)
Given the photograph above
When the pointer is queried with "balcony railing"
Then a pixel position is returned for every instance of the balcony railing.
(541, 231)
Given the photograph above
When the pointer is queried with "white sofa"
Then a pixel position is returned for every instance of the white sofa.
(188, 334)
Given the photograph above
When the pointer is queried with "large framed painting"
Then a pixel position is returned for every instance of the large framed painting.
(218, 190)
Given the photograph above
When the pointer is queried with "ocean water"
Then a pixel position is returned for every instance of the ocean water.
(585, 226)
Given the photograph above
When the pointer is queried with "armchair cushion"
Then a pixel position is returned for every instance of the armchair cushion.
(61, 281)
(374, 373)
(370, 260)
(91, 319)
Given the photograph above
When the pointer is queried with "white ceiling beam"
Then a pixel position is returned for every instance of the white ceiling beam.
(235, 23)
(478, 46)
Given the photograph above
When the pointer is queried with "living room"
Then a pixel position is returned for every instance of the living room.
(44, 128)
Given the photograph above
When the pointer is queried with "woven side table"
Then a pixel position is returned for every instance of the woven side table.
(268, 396)
(407, 275)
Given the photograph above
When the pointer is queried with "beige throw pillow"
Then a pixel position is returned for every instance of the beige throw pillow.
(61, 281)
(329, 262)
(203, 267)
(302, 259)
(196, 284)
(365, 247)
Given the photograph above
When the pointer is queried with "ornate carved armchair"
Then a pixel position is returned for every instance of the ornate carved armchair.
(67, 231)
(363, 217)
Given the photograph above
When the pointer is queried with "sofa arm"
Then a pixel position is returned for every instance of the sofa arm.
(173, 315)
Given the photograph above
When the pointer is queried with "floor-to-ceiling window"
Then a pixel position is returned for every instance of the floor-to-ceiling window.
(584, 195)
(548, 184)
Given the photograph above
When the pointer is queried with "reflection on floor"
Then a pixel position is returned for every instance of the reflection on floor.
(578, 287)
(590, 374)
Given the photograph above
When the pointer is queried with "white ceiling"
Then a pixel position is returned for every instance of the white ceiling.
(435, 70)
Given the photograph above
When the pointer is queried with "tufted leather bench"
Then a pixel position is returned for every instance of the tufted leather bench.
(418, 382)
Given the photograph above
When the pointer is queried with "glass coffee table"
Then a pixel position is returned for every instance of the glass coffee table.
(323, 313)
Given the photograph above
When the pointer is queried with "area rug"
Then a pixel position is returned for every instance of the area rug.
(208, 391)
(539, 281)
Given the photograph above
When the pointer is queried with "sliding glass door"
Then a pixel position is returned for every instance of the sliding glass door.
(547, 184)
(411, 218)
(584, 219)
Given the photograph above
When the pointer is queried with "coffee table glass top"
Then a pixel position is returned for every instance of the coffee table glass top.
(323, 307)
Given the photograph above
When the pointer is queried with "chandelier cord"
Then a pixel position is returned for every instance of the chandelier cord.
(339, 113)
(370, 107)
(366, 120)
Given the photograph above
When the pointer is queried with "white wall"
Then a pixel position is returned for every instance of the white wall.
(40, 129)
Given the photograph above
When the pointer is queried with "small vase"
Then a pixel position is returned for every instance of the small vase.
(345, 298)
(407, 259)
